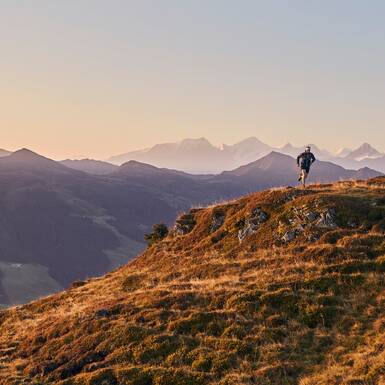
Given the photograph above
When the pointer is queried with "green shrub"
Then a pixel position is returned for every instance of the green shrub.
(159, 232)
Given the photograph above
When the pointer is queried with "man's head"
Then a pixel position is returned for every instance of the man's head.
(307, 149)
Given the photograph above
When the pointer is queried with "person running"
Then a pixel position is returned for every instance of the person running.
(305, 160)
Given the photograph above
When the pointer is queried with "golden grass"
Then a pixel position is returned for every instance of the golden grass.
(204, 308)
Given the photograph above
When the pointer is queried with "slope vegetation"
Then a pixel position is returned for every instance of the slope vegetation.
(284, 286)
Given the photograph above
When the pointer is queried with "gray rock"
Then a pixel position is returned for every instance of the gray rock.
(247, 230)
(217, 221)
(327, 219)
(311, 216)
(290, 235)
(102, 313)
(259, 215)
(252, 224)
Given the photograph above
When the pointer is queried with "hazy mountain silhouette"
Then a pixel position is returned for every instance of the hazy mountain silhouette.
(90, 166)
(363, 156)
(199, 156)
(26, 160)
(4, 152)
(294, 151)
(363, 152)
(246, 151)
(190, 155)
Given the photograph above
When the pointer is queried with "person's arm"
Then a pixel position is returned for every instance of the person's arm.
(298, 158)
(313, 159)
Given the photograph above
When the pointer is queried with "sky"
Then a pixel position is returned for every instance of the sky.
(92, 78)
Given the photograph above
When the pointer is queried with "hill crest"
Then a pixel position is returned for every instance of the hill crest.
(278, 283)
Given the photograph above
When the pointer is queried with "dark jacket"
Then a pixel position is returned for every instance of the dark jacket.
(306, 159)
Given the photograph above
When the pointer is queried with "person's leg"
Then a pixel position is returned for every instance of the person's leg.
(305, 174)
(302, 176)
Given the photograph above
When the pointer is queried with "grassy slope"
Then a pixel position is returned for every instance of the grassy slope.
(204, 308)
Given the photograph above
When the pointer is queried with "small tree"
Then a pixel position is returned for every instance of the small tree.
(159, 231)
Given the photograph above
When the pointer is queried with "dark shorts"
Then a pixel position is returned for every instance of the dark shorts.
(306, 169)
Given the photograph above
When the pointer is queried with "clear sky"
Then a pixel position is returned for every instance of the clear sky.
(96, 78)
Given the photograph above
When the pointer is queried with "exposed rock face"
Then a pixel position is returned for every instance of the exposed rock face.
(184, 224)
(102, 313)
(327, 219)
(217, 220)
(304, 218)
(311, 216)
(252, 224)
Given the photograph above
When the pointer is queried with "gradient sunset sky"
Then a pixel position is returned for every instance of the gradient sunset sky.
(97, 78)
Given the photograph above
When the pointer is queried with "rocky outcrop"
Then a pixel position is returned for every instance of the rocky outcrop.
(303, 218)
(327, 219)
(258, 216)
(217, 220)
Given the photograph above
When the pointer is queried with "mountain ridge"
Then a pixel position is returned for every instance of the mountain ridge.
(90, 166)
(200, 156)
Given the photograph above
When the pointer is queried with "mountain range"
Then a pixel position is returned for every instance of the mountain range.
(284, 286)
(59, 225)
(200, 156)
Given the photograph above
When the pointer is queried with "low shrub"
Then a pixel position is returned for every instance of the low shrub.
(159, 232)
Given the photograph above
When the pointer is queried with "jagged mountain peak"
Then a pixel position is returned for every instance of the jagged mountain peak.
(366, 150)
